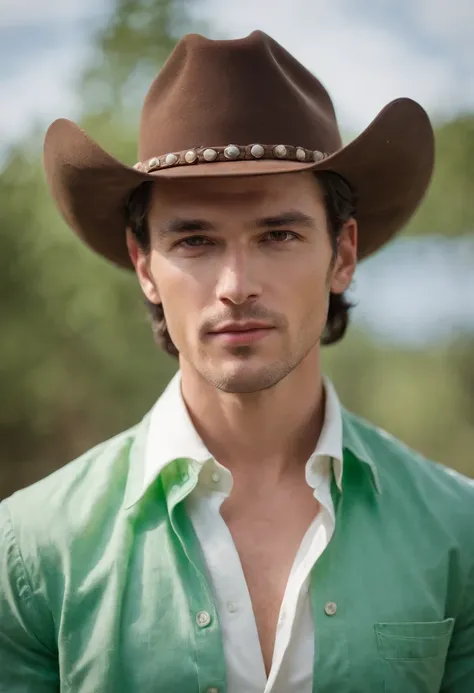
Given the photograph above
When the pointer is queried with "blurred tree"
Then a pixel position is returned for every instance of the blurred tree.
(137, 39)
(415, 395)
(449, 205)
(77, 360)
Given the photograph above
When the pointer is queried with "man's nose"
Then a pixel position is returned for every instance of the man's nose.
(238, 279)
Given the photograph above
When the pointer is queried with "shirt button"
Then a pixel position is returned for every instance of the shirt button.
(231, 607)
(216, 477)
(212, 690)
(203, 619)
(330, 608)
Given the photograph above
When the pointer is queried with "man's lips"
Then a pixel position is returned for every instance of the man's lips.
(241, 333)
(241, 326)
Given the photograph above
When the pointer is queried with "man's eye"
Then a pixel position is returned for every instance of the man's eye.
(281, 236)
(193, 242)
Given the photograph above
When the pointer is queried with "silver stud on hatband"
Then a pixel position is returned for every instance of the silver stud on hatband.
(257, 151)
(280, 151)
(190, 156)
(231, 152)
(209, 154)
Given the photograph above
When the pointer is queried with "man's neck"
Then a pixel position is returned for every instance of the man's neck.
(273, 431)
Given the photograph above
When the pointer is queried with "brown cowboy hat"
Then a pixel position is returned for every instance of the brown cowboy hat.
(233, 108)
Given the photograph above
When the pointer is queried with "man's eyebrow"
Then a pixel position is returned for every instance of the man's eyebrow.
(289, 218)
(186, 226)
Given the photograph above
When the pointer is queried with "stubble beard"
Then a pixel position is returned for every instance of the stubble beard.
(245, 378)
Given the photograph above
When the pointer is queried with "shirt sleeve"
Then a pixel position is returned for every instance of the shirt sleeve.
(28, 662)
(459, 669)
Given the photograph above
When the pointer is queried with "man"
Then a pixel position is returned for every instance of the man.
(249, 534)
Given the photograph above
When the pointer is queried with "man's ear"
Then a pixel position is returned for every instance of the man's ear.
(141, 263)
(346, 258)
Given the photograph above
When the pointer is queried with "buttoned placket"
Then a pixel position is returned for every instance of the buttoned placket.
(208, 641)
(232, 597)
(331, 639)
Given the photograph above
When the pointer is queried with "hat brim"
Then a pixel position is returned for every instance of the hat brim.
(389, 165)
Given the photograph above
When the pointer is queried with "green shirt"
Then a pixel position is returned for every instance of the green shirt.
(103, 589)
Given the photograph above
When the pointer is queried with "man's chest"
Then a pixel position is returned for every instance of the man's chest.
(267, 540)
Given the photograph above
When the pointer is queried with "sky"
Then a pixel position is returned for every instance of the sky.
(367, 52)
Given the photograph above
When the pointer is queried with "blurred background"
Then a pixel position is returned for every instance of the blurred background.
(77, 359)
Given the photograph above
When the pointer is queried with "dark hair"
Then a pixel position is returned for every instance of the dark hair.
(340, 202)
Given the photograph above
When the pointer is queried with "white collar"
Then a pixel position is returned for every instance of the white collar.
(172, 435)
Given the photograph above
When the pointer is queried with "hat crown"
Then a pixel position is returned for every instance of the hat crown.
(250, 90)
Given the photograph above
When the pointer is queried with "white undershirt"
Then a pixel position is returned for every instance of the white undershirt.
(172, 435)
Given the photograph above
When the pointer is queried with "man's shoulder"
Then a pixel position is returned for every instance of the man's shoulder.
(67, 498)
(408, 471)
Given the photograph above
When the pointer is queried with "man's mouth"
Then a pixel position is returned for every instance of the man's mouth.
(241, 332)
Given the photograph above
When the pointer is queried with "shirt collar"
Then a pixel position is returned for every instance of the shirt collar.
(171, 435)
(354, 442)
(329, 445)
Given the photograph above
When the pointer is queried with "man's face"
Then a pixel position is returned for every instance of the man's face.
(243, 268)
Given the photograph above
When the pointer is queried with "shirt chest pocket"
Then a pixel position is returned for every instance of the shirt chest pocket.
(413, 655)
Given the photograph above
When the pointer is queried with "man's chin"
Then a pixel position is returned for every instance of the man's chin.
(245, 378)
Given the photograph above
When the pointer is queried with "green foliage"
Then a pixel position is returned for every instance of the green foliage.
(127, 55)
(423, 397)
(75, 335)
(448, 209)
(77, 360)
